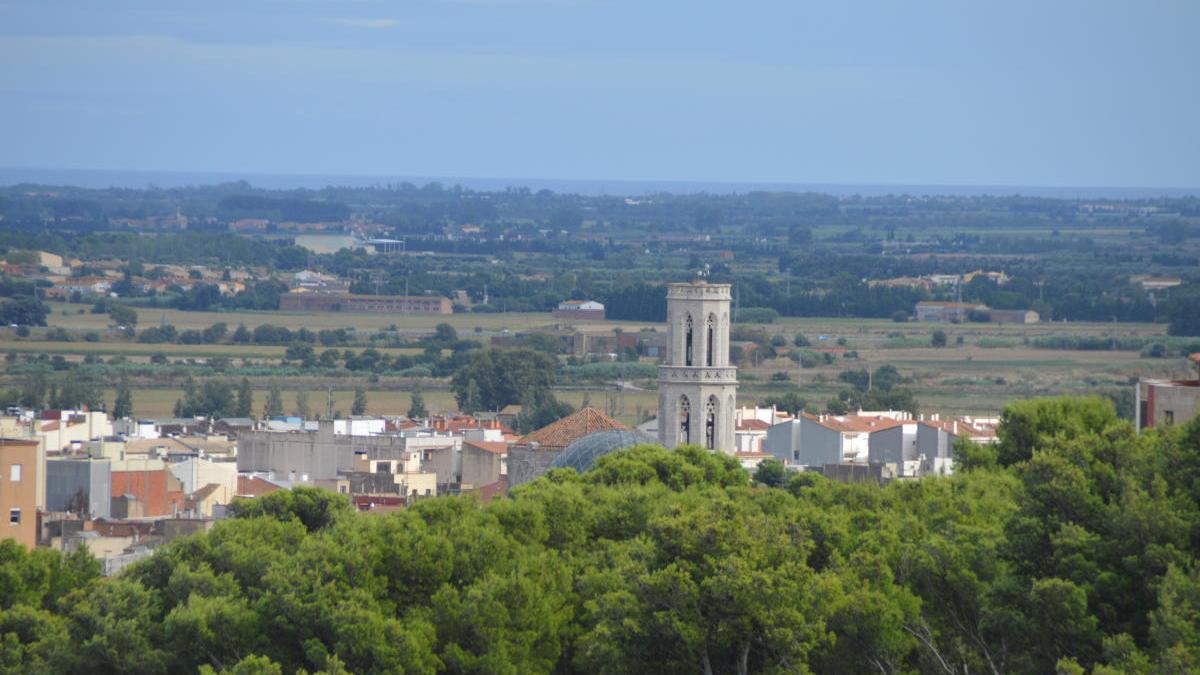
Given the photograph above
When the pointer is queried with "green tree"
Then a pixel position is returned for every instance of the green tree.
(274, 405)
(1032, 423)
(791, 402)
(359, 407)
(214, 398)
(470, 404)
(770, 472)
(78, 391)
(123, 404)
(939, 338)
(23, 311)
(315, 508)
(416, 407)
(1184, 315)
(302, 404)
(539, 409)
(123, 315)
(245, 399)
(445, 333)
(504, 377)
(242, 335)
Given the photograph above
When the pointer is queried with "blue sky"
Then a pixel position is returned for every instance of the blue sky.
(1052, 92)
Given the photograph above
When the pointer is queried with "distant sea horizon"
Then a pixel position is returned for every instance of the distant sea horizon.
(104, 178)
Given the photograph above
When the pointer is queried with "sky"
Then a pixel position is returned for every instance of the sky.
(955, 92)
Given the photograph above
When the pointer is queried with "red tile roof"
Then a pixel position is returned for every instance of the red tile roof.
(753, 424)
(253, 486)
(494, 447)
(853, 423)
(562, 433)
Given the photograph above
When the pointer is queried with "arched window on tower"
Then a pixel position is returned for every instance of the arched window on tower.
(710, 423)
(687, 347)
(709, 335)
(685, 420)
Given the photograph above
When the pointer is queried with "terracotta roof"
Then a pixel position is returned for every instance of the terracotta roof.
(960, 428)
(253, 486)
(753, 425)
(562, 433)
(205, 491)
(853, 423)
(1194, 358)
(494, 447)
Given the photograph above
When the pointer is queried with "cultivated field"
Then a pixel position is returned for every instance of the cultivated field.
(994, 363)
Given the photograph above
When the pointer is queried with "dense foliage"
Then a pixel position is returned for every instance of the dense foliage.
(1070, 545)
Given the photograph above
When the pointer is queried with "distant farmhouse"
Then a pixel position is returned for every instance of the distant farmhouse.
(932, 310)
(580, 309)
(348, 302)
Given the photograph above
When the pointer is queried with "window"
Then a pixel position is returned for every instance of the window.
(1169, 416)
(708, 347)
(14, 473)
(710, 423)
(14, 516)
(685, 422)
(687, 350)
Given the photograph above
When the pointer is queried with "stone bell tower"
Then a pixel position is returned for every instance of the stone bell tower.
(697, 388)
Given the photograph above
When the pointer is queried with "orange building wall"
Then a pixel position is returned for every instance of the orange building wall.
(21, 494)
(158, 492)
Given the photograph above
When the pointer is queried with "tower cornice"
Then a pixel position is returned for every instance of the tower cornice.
(699, 290)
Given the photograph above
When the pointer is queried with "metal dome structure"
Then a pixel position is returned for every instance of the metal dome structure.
(583, 453)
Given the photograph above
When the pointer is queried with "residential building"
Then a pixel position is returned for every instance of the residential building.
(816, 440)
(1022, 316)
(1167, 402)
(80, 485)
(314, 457)
(931, 310)
(750, 435)
(145, 488)
(483, 462)
(195, 474)
(1150, 283)
(21, 462)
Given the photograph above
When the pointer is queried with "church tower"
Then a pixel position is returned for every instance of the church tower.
(697, 388)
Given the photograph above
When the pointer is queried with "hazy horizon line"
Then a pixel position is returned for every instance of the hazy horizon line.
(92, 178)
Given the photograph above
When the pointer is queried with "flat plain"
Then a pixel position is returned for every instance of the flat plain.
(993, 364)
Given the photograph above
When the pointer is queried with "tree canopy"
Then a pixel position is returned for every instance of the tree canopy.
(1073, 551)
(502, 377)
